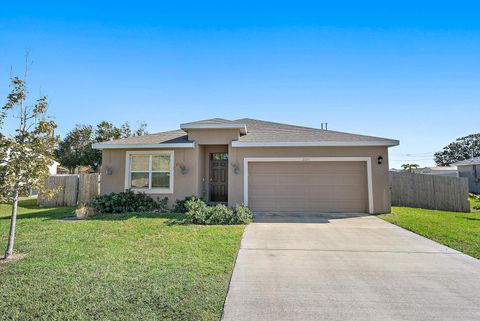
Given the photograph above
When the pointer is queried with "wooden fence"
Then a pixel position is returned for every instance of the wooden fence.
(73, 189)
(430, 191)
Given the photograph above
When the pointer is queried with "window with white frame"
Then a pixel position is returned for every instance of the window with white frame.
(150, 171)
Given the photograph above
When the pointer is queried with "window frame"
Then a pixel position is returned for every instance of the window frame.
(150, 190)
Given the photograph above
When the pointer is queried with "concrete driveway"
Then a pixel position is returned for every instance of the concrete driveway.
(348, 267)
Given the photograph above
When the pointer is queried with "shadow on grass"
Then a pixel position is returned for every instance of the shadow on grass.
(469, 218)
(172, 218)
(28, 209)
(33, 211)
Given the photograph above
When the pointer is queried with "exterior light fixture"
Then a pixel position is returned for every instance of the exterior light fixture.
(236, 167)
(380, 160)
(183, 168)
(109, 171)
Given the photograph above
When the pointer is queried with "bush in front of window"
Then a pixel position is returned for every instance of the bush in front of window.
(198, 212)
(125, 202)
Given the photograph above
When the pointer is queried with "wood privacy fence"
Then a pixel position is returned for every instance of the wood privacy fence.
(430, 191)
(73, 189)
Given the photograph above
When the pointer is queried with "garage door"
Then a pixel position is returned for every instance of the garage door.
(308, 186)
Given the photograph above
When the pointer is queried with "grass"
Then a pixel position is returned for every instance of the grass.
(118, 267)
(460, 231)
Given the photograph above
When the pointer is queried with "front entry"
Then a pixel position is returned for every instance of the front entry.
(219, 177)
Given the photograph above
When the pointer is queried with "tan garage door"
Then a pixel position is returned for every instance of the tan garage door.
(308, 186)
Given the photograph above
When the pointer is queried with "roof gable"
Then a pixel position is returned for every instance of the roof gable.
(214, 123)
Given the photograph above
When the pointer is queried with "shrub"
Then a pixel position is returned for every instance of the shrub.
(198, 212)
(242, 215)
(162, 205)
(475, 197)
(219, 215)
(128, 201)
(179, 206)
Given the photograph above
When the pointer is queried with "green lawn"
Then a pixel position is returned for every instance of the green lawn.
(460, 231)
(120, 267)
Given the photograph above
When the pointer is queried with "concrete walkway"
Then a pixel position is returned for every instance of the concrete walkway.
(348, 267)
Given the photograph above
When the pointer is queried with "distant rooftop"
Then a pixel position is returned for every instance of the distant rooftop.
(470, 161)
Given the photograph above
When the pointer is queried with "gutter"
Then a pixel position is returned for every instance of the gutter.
(388, 143)
(142, 146)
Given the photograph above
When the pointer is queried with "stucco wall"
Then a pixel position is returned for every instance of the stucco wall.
(380, 177)
(196, 160)
(183, 185)
(213, 136)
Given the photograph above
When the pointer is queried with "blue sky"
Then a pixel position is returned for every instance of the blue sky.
(408, 70)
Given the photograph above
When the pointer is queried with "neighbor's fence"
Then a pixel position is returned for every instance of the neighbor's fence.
(72, 189)
(430, 191)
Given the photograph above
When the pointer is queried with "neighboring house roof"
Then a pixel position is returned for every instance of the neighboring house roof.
(256, 133)
(444, 168)
(470, 161)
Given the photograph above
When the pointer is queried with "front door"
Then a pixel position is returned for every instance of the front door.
(219, 177)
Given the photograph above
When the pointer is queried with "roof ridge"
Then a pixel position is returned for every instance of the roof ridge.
(276, 123)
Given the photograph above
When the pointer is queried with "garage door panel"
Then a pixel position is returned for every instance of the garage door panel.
(308, 186)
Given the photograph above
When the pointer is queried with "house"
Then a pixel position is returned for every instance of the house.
(450, 171)
(56, 169)
(267, 166)
(470, 168)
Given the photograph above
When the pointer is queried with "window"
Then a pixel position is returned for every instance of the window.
(219, 156)
(149, 171)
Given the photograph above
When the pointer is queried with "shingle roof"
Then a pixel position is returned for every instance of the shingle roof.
(265, 131)
(170, 137)
(258, 132)
(470, 161)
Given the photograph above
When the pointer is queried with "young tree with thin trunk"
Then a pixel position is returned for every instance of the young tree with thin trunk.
(25, 154)
(410, 167)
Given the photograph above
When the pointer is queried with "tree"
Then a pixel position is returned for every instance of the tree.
(76, 148)
(106, 131)
(126, 130)
(461, 149)
(409, 167)
(26, 154)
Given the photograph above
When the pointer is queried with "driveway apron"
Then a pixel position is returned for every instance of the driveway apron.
(347, 267)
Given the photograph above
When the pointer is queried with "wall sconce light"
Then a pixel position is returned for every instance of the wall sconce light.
(183, 169)
(236, 168)
(380, 160)
(108, 171)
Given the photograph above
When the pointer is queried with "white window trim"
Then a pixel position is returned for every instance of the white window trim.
(169, 190)
(368, 160)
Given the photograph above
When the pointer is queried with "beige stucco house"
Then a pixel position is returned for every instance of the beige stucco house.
(267, 166)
